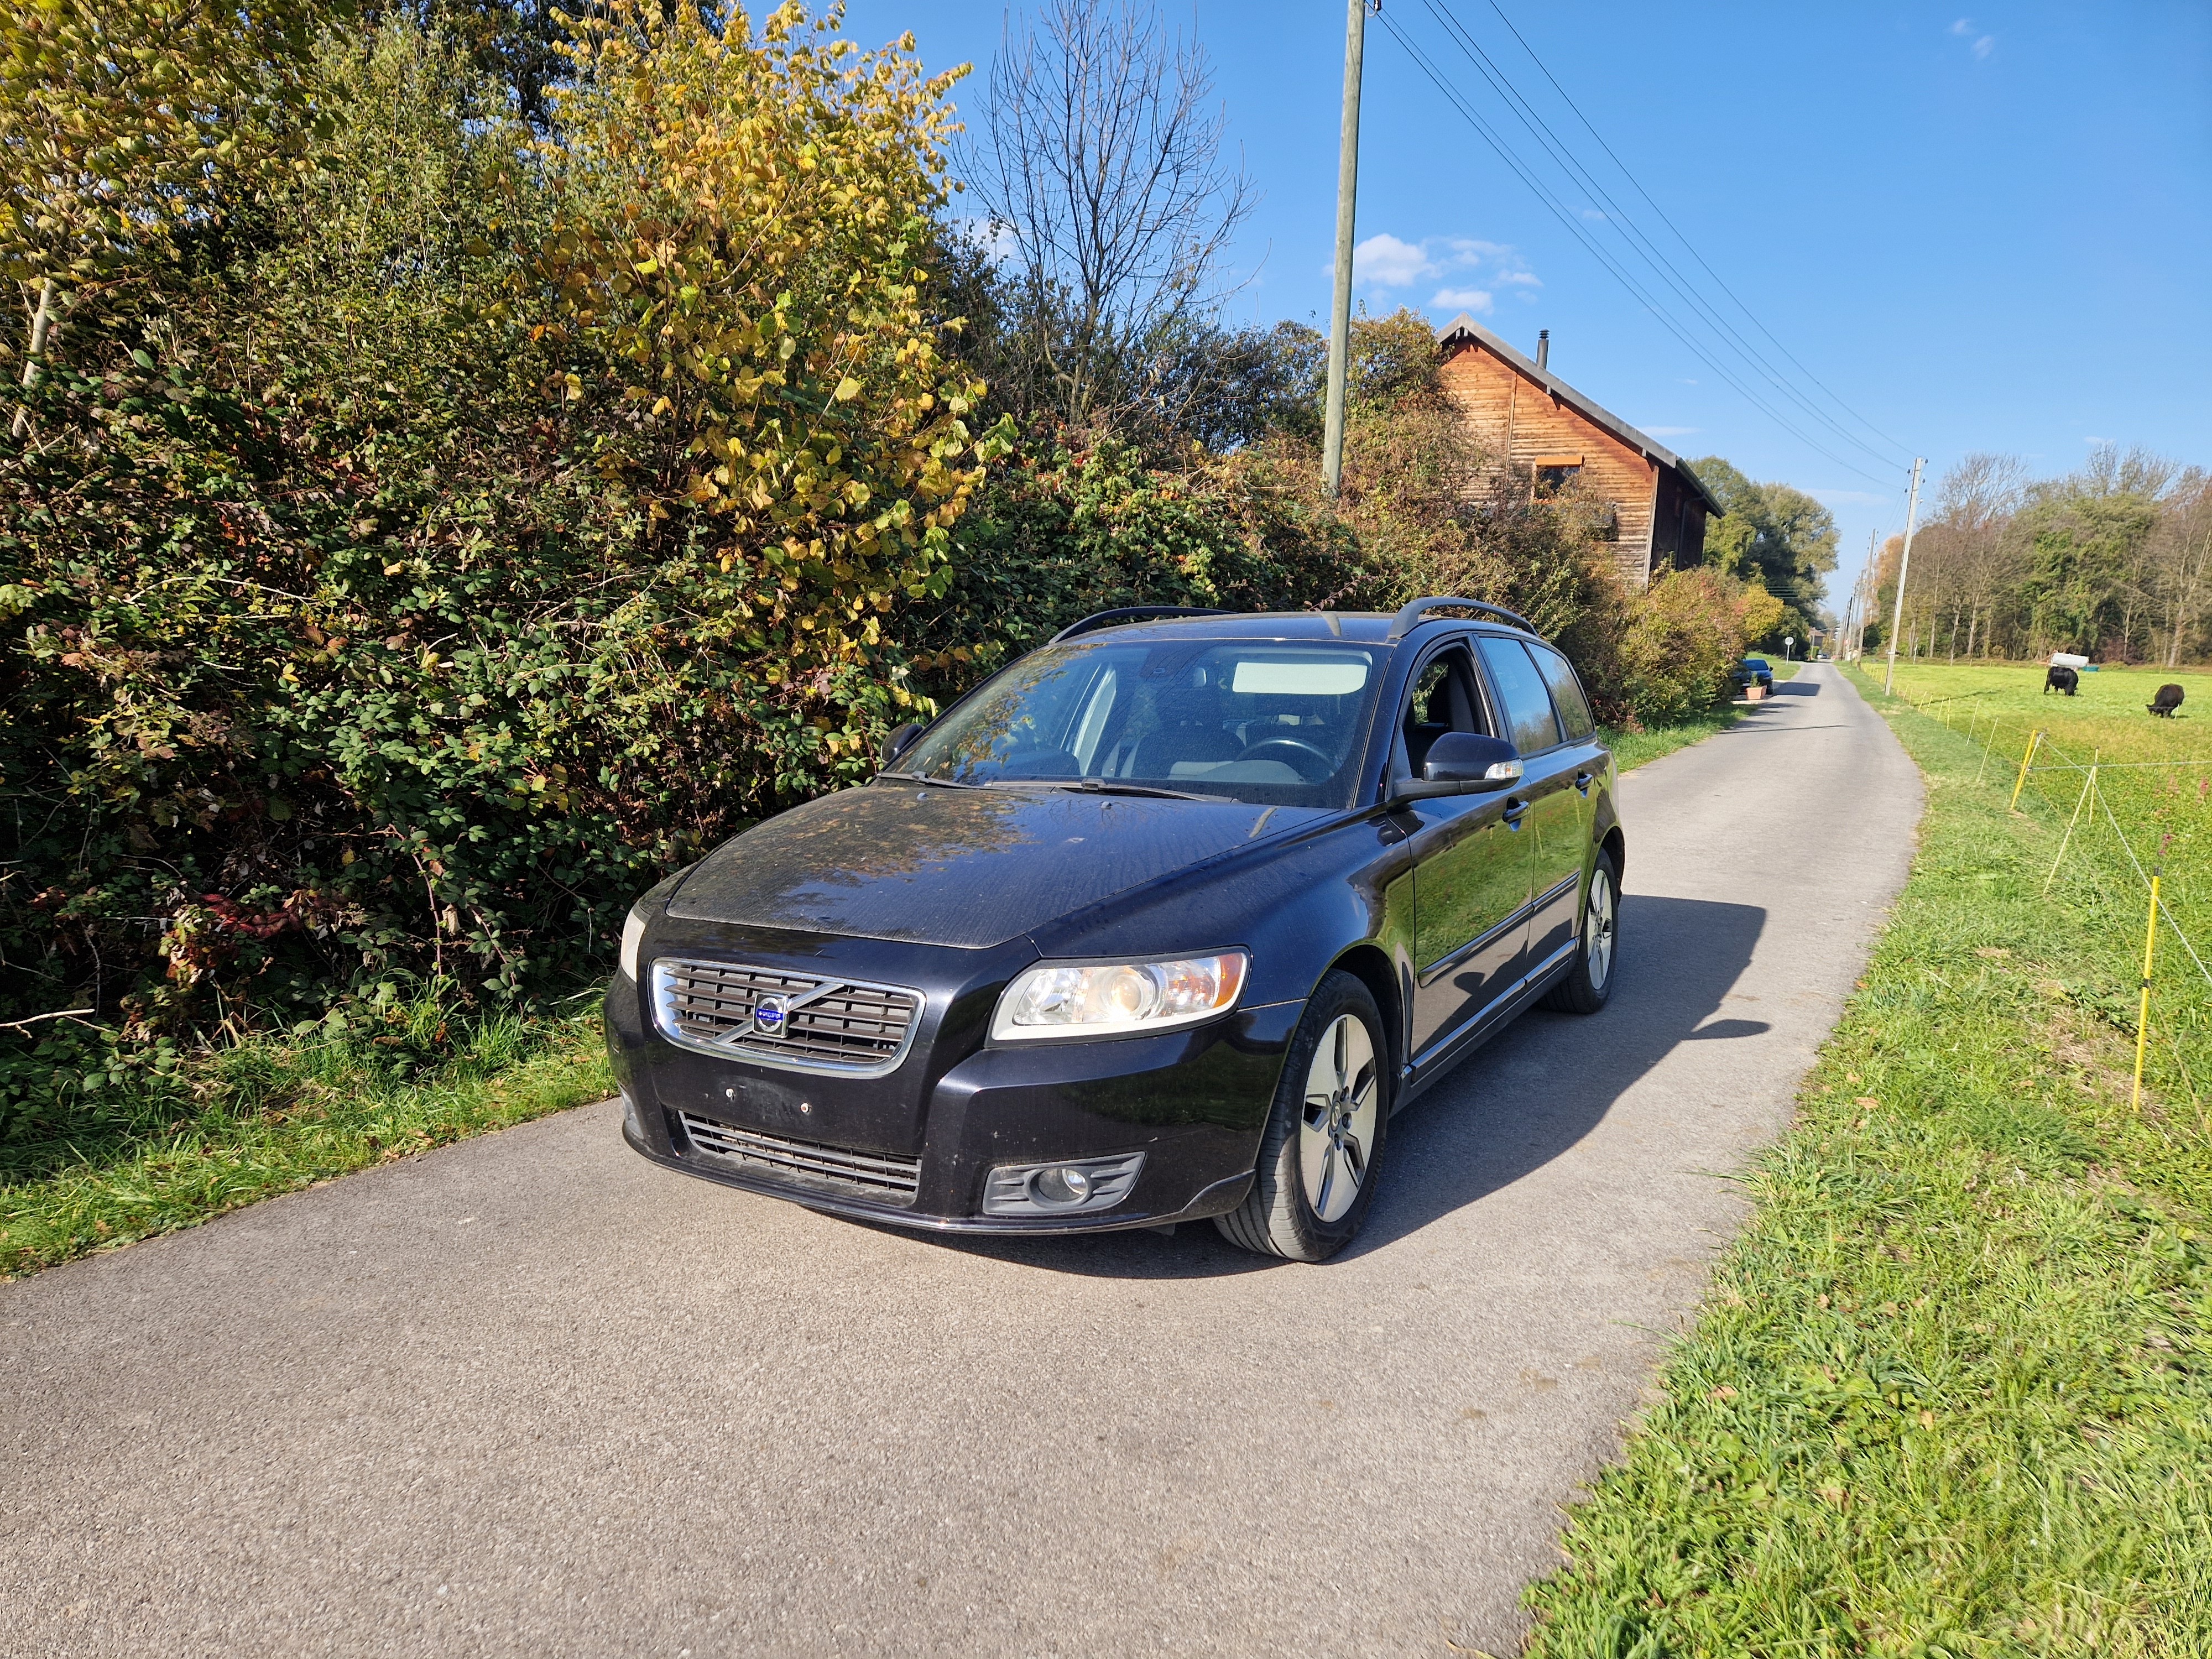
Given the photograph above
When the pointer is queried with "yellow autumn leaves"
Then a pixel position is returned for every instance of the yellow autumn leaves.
(738, 264)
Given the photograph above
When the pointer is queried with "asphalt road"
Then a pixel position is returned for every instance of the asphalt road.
(531, 1395)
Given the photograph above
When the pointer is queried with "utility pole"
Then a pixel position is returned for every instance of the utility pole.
(1904, 565)
(1347, 192)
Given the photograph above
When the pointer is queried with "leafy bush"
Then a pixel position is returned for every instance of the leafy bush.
(1684, 634)
(418, 557)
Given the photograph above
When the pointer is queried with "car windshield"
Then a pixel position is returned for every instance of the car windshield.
(1754, 662)
(1265, 721)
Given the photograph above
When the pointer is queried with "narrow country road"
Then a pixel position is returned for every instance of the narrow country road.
(530, 1395)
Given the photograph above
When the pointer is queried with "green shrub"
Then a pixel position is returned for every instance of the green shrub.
(398, 575)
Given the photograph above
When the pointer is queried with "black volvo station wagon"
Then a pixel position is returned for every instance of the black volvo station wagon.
(1161, 922)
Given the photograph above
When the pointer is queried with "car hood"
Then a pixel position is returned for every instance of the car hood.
(963, 867)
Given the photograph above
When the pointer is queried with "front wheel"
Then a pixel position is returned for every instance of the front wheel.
(1324, 1136)
(1589, 981)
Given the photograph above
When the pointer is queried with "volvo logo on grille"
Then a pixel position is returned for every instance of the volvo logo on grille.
(770, 1015)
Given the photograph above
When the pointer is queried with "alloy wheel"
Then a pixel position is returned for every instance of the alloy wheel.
(1597, 928)
(1337, 1131)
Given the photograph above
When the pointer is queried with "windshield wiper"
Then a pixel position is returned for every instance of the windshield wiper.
(934, 783)
(1105, 786)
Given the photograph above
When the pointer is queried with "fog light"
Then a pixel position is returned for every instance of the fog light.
(1065, 1185)
(1095, 1184)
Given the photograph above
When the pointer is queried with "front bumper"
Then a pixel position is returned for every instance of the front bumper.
(1193, 1101)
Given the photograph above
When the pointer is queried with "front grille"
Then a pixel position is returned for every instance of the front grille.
(869, 1173)
(829, 1024)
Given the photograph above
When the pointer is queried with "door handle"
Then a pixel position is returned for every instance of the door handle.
(1584, 780)
(1514, 808)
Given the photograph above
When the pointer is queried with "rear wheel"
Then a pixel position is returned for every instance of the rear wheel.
(1324, 1138)
(1589, 981)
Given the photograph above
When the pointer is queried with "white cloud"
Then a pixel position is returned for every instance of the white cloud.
(2091, 440)
(1469, 251)
(1386, 262)
(1983, 44)
(1476, 300)
(1592, 215)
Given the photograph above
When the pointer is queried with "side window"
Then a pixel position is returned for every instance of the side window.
(1566, 693)
(1528, 704)
(1443, 700)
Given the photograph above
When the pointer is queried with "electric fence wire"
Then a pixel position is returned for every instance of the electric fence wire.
(2141, 875)
(1618, 218)
(1897, 444)
(1520, 170)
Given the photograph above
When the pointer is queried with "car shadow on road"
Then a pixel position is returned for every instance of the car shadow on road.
(1509, 1109)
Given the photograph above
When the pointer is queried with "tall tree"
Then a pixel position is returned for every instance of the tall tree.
(1110, 202)
(1772, 534)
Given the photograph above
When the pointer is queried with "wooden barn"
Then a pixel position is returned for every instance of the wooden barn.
(1542, 429)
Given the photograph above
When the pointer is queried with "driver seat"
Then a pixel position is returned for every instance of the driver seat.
(1190, 730)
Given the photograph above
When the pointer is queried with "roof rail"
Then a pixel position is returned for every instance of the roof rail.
(1131, 613)
(1404, 622)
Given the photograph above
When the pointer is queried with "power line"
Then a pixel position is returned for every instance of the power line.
(1689, 245)
(1633, 234)
(1526, 176)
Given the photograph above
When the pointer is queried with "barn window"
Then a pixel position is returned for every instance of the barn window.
(1555, 473)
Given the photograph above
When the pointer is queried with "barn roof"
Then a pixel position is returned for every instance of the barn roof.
(1464, 327)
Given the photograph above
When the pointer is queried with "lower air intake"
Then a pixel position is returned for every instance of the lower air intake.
(807, 1163)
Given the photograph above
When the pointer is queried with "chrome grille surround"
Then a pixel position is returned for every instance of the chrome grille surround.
(872, 1174)
(842, 1027)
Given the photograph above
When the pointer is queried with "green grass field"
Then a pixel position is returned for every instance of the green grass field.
(1950, 1392)
(161, 1150)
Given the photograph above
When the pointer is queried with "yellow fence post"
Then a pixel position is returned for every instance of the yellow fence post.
(1988, 743)
(2150, 953)
(2026, 760)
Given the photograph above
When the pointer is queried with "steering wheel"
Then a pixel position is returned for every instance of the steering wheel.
(1259, 752)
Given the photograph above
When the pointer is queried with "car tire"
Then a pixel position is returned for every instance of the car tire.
(1331, 1113)
(1588, 984)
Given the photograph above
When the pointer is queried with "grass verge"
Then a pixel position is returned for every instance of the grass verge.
(161, 1150)
(1950, 1392)
(1634, 749)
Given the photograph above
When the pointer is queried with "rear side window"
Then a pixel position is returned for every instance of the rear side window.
(1528, 704)
(1566, 693)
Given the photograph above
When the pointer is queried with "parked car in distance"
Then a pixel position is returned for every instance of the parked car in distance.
(1160, 923)
(1754, 671)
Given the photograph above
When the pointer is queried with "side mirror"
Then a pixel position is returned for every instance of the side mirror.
(1464, 758)
(1463, 764)
(897, 743)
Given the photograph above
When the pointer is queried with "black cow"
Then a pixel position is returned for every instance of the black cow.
(2168, 700)
(2060, 679)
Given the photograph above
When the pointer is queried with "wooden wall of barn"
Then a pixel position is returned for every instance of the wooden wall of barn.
(1523, 425)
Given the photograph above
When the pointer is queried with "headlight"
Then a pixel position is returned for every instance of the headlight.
(633, 937)
(1117, 999)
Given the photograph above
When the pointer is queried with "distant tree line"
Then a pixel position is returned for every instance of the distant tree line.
(2112, 561)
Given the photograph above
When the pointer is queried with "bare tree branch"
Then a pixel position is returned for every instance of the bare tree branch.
(1104, 181)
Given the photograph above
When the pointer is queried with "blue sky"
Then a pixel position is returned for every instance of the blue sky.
(1979, 230)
